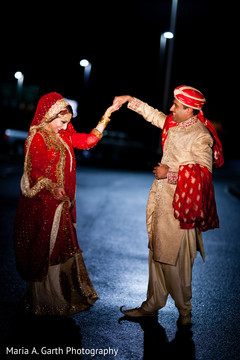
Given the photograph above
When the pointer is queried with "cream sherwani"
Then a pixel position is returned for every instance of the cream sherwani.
(172, 249)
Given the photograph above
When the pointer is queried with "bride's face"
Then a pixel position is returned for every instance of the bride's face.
(60, 123)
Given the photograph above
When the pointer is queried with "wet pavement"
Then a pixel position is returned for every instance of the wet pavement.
(111, 229)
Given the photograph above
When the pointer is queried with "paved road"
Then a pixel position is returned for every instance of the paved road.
(112, 233)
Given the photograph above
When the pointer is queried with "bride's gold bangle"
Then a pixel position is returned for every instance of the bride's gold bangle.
(105, 119)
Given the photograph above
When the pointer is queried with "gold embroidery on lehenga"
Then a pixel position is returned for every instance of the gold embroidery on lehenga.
(76, 290)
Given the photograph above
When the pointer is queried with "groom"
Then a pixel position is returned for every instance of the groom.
(181, 201)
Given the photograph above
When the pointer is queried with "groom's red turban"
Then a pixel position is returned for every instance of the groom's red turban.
(189, 97)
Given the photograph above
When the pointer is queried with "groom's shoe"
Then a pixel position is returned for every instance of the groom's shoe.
(184, 320)
(137, 312)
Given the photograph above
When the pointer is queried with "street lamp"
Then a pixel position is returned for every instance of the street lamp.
(84, 62)
(163, 39)
(167, 35)
(170, 53)
(20, 77)
(87, 70)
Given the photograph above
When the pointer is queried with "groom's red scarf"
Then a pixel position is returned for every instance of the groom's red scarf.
(194, 200)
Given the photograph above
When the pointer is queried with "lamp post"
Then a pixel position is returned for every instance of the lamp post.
(20, 77)
(87, 70)
(168, 35)
(170, 54)
(163, 41)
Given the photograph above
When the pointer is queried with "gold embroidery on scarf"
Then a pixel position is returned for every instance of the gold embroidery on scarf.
(55, 109)
(46, 183)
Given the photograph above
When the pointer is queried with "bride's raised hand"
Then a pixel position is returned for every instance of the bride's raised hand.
(116, 106)
(106, 117)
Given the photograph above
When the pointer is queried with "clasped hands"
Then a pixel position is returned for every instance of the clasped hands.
(118, 102)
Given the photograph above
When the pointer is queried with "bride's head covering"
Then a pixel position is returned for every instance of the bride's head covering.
(48, 107)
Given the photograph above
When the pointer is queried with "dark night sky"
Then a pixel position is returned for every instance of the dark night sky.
(121, 39)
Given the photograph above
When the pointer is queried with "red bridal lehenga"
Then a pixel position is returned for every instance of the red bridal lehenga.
(48, 256)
